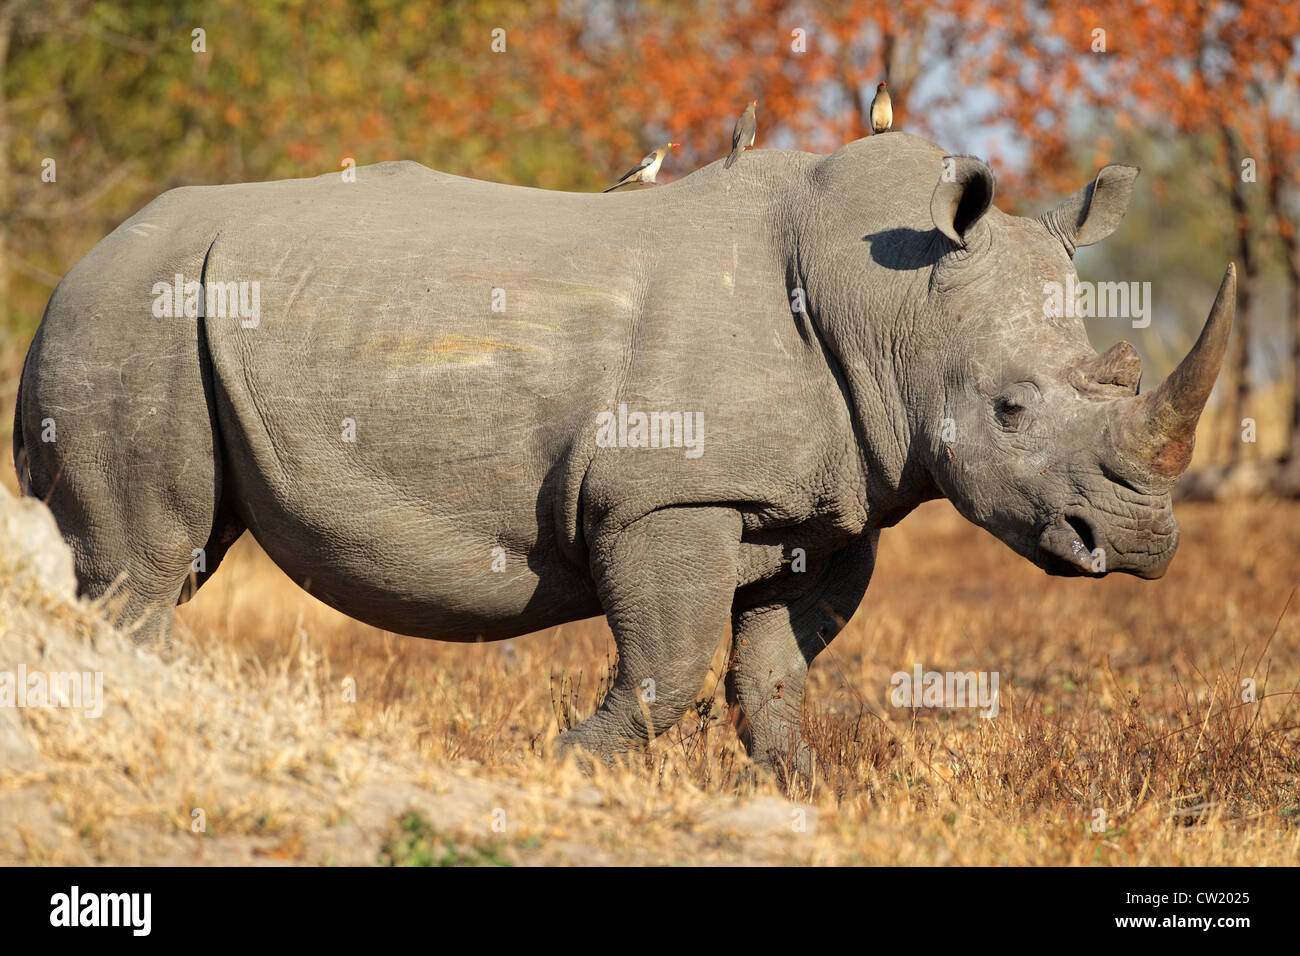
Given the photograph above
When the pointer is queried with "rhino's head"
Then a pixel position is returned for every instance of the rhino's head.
(932, 303)
(1048, 445)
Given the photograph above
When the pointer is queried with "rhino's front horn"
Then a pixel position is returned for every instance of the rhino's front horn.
(1154, 433)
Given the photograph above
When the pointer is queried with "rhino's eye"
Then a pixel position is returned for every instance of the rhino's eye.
(1011, 407)
(1008, 412)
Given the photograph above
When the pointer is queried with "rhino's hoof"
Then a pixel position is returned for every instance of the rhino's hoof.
(795, 770)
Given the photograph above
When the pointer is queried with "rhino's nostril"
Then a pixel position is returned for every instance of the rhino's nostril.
(1083, 530)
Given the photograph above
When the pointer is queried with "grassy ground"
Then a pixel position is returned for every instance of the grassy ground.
(1122, 737)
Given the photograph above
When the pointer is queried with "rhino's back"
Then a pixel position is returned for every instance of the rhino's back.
(426, 352)
(409, 295)
(385, 429)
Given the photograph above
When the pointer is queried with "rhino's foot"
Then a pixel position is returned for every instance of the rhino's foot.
(666, 582)
(773, 642)
(792, 771)
(587, 748)
(793, 767)
(765, 698)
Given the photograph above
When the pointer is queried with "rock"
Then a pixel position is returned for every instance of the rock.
(31, 548)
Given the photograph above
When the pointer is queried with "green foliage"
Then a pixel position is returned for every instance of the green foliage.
(416, 842)
(117, 96)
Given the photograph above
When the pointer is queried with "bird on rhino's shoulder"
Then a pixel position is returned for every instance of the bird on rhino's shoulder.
(646, 170)
(742, 137)
(882, 110)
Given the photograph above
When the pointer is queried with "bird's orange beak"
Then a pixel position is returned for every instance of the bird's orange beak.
(674, 145)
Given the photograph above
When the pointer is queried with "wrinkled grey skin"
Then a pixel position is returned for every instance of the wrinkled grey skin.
(922, 367)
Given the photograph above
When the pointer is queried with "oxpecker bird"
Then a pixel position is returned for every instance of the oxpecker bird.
(882, 110)
(742, 137)
(647, 169)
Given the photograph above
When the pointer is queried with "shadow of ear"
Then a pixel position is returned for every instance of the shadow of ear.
(906, 249)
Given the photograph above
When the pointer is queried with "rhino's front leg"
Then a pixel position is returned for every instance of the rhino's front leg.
(775, 636)
(666, 582)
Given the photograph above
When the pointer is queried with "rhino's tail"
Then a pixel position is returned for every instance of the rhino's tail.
(20, 450)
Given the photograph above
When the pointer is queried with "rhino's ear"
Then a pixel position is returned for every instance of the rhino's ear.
(1095, 211)
(963, 196)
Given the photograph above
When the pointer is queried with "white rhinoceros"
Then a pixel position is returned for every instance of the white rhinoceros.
(466, 411)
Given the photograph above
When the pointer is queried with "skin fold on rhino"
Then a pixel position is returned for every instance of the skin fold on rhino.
(428, 413)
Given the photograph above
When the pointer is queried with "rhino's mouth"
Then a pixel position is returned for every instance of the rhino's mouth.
(1065, 547)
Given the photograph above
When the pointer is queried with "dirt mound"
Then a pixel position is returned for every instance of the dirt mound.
(114, 753)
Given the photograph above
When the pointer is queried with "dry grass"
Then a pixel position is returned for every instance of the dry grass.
(1121, 696)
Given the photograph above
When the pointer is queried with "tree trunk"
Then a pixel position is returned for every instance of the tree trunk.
(1240, 357)
(1291, 266)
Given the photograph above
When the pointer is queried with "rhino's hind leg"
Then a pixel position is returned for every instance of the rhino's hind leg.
(666, 583)
(131, 472)
(136, 553)
(133, 555)
(774, 639)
